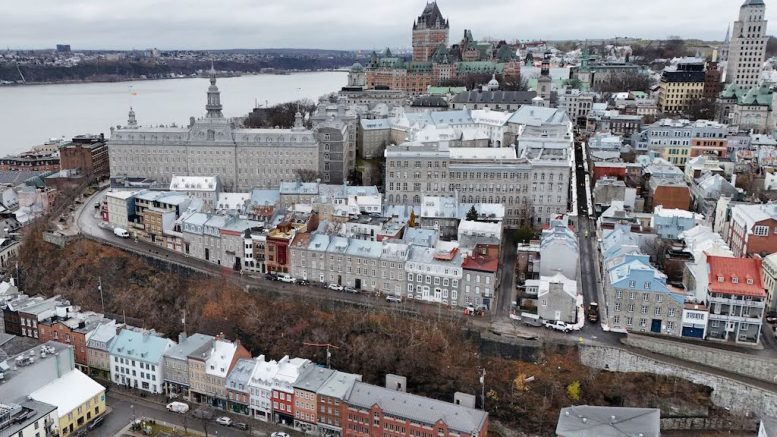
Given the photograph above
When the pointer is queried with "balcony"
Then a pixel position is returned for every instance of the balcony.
(736, 318)
(737, 302)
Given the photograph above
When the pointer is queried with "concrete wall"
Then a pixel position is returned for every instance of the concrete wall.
(735, 362)
(727, 393)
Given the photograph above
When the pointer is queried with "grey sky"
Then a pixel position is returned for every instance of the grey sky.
(344, 24)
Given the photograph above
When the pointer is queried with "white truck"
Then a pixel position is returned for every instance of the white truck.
(558, 326)
(121, 232)
(177, 407)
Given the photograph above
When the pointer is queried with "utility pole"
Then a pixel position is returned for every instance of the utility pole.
(483, 387)
(100, 288)
(183, 321)
(328, 353)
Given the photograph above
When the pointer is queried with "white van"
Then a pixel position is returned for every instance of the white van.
(119, 232)
(177, 407)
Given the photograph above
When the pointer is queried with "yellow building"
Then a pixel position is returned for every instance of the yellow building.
(78, 398)
(677, 155)
(680, 85)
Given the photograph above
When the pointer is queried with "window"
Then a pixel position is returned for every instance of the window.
(617, 306)
(670, 312)
(644, 309)
(657, 311)
(618, 294)
(761, 231)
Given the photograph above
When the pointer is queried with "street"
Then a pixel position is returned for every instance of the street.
(507, 261)
(125, 407)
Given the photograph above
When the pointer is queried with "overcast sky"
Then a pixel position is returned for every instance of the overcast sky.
(344, 24)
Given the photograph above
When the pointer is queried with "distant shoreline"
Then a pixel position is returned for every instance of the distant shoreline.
(138, 79)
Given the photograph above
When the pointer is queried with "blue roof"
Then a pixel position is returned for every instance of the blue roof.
(191, 343)
(142, 346)
(240, 375)
(451, 117)
(380, 123)
(364, 248)
(265, 197)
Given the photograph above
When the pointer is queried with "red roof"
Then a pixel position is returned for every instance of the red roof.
(739, 276)
(481, 263)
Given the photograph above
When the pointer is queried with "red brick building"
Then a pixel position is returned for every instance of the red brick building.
(87, 154)
(709, 146)
(429, 31)
(670, 194)
(609, 169)
(753, 230)
(373, 411)
(30, 162)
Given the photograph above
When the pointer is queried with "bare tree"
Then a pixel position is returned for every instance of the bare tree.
(306, 175)
(624, 81)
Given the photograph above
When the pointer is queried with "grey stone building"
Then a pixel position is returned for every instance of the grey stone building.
(176, 364)
(360, 264)
(373, 137)
(532, 182)
(557, 298)
(213, 146)
(335, 156)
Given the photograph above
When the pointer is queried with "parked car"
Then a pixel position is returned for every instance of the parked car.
(531, 321)
(177, 407)
(351, 290)
(224, 420)
(241, 426)
(394, 298)
(771, 317)
(279, 434)
(558, 326)
(286, 278)
(593, 312)
(120, 232)
(95, 423)
(335, 287)
(270, 276)
(303, 282)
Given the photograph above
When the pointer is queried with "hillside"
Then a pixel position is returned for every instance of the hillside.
(435, 356)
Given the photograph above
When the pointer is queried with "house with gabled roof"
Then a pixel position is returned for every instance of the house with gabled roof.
(736, 299)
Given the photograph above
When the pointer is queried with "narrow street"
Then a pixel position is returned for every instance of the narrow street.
(506, 293)
(125, 407)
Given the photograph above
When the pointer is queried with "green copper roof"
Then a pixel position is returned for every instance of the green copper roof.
(443, 90)
(420, 67)
(755, 96)
(479, 67)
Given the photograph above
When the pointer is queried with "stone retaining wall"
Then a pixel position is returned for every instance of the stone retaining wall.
(735, 362)
(727, 393)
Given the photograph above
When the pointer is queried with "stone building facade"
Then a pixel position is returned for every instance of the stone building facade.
(212, 145)
(747, 49)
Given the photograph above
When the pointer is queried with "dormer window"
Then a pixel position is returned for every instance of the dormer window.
(749, 281)
(734, 279)
(720, 278)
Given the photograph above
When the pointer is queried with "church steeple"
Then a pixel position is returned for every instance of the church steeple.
(298, 125)
(131, 121)
(213, 107)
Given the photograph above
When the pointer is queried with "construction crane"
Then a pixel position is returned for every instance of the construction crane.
(328, 353)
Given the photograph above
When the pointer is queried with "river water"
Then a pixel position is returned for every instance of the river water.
(29, 115)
